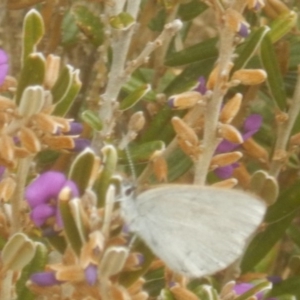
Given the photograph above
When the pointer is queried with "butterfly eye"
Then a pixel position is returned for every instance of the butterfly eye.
(129, 191)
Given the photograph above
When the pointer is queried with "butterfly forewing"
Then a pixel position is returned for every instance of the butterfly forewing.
(196, 230)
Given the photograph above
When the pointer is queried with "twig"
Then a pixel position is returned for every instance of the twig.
(17, 198)
(284, 129)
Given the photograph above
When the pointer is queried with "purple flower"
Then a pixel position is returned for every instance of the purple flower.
(81, 144)
(201, 87)
(44, 279)
(91, 274)
(75, 128)
(3, 66)
(250, 127)
(243, 30)
(42, 195)
(242, 288)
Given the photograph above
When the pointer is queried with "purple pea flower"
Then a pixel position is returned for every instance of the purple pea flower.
(44, 279)
(91, 274)
(250, 127)
(242, 288)
(201, 87)
(3, 66)
(42, 196)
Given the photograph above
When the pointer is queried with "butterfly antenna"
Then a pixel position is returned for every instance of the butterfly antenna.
(130, 162)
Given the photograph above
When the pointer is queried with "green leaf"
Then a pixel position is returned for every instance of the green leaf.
(70, 229)
(37, 264)
(199, 52)
(62, 84)
(18, 252)
(274, 81)
(33, 31)
(278, 218)
(289, 286)
(89, 24)
(32, 101)
(32, 73)
(69, 30)
(122, 21)
(92, 119)
(189, 11)
(63, 106)
(134, 97)
(282, 25)
(249, 48)
(103, 181)
(82, 169)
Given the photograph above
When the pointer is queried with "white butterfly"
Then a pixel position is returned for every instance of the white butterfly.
(195, 230)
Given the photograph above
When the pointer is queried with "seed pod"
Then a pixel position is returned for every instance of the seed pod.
(184, 100)
(231, 108)
(249, 76)
(230, 133)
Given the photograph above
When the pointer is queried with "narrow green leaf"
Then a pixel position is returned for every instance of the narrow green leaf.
(278, 218)
(289, 286)
(249, 47)
(199, 52)
(37, 264)
(32, 101)
(105, 177)
(69, 30)
(282, 25)
(89, 23)
(70, 228)
(142, 152)
(63, 106)
(32, 73)
(82, 168)
(18, 252)
(92, 119)
(189, 11)
(62, 84)
(33, 31)
(134, 97)
(274, 81)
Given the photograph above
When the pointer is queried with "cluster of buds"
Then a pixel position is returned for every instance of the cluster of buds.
(28, 126)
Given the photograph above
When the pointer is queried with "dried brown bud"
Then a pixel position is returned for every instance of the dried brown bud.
(236, 22)
(7, 188)
(255, 150)
(6, 103)
(184, 100)
(231, 108)
(242, 175)
(184, 131)
(29, 140)
(213, 76)
(137, 122)
(58, 142)
(45, 123)
(226, 184)
(224, 159)
(7, 148)
(52, 70)
(160, 167)
(230, 133)
(249, 76)
(181, 293)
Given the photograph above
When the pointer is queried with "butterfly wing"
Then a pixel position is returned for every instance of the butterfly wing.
(197, 230)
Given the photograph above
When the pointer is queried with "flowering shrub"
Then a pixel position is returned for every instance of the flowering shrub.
(197, 92)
